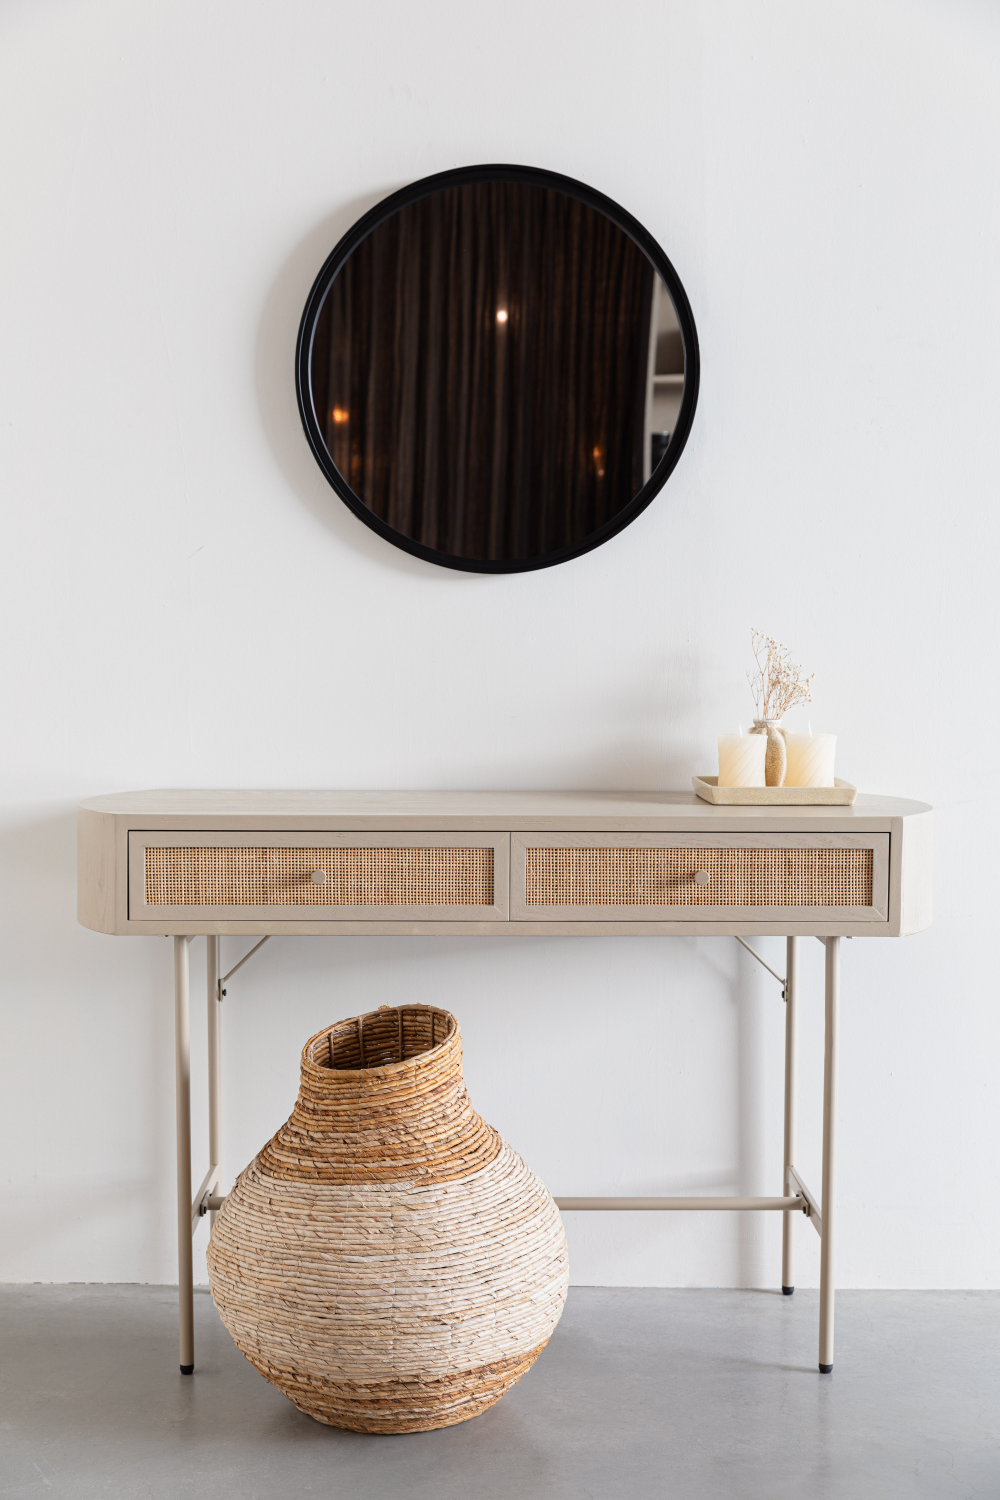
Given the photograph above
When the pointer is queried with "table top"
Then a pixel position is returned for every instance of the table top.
(411, 811)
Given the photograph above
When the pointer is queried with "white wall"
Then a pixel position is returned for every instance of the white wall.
(187, 603)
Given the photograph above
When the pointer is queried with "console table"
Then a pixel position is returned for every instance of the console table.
(518, 864)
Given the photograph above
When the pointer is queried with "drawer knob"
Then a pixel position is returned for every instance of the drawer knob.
(702, 877)
(318, 877)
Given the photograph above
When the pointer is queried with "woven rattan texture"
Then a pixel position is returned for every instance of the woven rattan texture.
(364, 1115)
(258, 876)
(389, 1303)
(665, 877)
(391, 1308)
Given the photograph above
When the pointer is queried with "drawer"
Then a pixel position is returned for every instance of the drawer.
(463, 877)
(652, 877)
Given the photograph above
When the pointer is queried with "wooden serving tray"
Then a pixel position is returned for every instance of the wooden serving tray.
(841, 794)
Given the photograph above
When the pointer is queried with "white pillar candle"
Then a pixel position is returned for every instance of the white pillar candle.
(810, 759)
(741, 759)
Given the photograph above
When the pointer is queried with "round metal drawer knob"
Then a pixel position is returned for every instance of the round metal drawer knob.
(318, 877)
(702, 877)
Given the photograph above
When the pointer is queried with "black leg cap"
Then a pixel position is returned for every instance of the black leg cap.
(825, 1369)
(788, 1290)
(187, 1369)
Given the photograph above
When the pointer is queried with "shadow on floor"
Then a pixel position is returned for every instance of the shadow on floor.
(695, 1394)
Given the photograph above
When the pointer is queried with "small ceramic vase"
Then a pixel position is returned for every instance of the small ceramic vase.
(776, 756)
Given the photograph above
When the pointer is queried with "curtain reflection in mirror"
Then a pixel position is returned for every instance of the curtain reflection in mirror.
(485, 373)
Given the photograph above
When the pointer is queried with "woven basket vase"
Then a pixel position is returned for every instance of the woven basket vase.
(387, 1260)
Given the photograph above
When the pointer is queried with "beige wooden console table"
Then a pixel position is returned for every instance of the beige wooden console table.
(520, 864)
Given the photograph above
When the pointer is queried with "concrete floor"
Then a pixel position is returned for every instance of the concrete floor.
(697, 1395)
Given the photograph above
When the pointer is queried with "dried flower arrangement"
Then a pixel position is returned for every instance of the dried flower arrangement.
(777, 683)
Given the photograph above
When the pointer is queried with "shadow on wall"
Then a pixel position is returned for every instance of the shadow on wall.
(756, 1002)
(275, 380)
(86, 1071)
(643, 734)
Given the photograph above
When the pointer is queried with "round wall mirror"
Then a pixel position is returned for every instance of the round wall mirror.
(497, 369)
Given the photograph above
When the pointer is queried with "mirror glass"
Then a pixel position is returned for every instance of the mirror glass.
(497, 372)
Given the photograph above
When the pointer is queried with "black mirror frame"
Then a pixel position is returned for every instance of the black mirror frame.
(537, 178)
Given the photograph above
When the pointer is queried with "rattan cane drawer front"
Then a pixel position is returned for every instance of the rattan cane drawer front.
(666, 877)
(461, 876)
(649, 877)
(247, 876)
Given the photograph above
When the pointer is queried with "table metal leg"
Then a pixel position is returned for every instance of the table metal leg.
(214, 1062)
(826, 1271)
(787, 1221)
(182, 1039)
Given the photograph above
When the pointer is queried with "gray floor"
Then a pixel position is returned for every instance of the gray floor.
(640, 1393)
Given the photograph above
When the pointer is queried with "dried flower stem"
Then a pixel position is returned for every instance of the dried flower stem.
(776, 683)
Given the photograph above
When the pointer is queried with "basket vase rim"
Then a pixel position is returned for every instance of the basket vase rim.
(318, 1072)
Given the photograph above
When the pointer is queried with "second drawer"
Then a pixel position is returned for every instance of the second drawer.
(630, 877)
